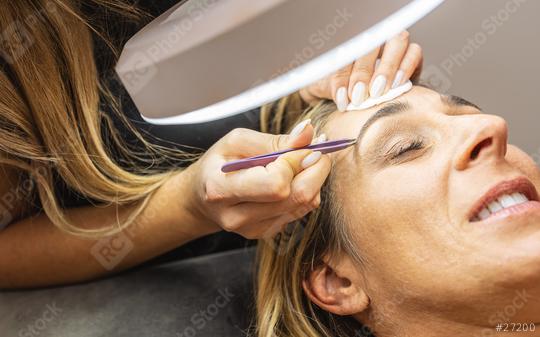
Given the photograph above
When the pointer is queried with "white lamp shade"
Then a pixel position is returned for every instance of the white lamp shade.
(209, 59)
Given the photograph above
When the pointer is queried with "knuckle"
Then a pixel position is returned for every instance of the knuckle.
(211, 192)
(388, 67)
(339, 79)
(231, 223)
(341, 75)
(343, 72)
(315, 203)
(301, 197)
(404, 35)
(279, 190)
(416, 49)
(228, 227)
(278, 142)
(363, 68)
(362, 72)
(236, 135)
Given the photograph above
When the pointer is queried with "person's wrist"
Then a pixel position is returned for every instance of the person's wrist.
(192, 204)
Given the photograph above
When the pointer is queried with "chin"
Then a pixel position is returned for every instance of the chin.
(520, 262)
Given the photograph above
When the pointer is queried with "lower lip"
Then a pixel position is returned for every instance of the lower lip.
(525, 209)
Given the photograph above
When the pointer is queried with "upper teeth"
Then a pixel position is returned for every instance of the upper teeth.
(502, 202)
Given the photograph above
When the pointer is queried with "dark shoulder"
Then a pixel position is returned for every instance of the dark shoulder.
(17, 195)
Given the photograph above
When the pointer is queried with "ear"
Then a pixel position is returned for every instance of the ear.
(337, 288)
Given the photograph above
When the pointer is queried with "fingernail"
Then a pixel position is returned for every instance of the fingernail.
(359, 93)
(311, 159)
(398, 79)
(320, 139)
(377, 88)
(341, 99)
(300, 127)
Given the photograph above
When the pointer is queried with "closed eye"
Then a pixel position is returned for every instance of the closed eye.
(400, 149)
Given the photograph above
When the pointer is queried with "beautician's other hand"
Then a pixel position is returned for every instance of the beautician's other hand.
(258, 202)
(400, 60)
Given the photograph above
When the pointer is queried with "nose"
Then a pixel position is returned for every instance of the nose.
(485, 138)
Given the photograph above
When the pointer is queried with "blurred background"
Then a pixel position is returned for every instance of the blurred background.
(487, 51)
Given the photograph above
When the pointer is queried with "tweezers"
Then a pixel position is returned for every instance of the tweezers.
(265, 159)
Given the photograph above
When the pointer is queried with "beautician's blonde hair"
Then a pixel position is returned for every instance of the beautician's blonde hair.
(283, 310)
(50, 118)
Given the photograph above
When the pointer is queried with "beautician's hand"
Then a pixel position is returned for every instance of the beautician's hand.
(258, 202)
(400, 60)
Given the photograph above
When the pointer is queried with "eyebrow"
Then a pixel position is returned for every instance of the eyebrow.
(390, 109)
(395, 108)
(456, 102)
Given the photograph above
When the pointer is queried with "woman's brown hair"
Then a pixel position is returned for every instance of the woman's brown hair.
(51, 123)
(283, 310)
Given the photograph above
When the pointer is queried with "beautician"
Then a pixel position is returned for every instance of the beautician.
(53, 132)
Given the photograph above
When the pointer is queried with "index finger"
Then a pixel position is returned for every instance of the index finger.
(264, 184)
(245, 142)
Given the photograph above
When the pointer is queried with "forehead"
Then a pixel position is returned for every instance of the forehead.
(348, 124)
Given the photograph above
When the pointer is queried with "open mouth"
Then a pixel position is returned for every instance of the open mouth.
(504, 197)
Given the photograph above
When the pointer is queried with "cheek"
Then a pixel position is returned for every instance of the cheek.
(525, 163)
(397, 215)
(410, 195)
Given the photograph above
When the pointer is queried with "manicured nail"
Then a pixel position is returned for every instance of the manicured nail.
(300, 127)
(398, 79)
(378, 86)
(320, 139)
(359, 93)
(341, 99)
(311, 159)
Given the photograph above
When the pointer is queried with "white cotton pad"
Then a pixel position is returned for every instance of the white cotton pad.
(390, 95)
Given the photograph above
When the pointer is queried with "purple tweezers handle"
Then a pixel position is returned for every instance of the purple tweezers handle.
(263, 160)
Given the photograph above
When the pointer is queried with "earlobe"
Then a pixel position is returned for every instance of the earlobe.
(336, 292)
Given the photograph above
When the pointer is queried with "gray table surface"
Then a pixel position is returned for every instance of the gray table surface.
(205, 296)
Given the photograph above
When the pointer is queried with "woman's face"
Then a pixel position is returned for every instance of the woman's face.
(412, 191)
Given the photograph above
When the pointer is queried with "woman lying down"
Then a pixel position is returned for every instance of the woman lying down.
(428, 226)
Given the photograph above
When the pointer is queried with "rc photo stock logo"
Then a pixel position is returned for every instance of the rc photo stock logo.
(110, 251)
(39, 327)
(200, 319)
(438, 76)
(143, 69)
(143, 64)
(436, 79)
(11, 198)
(15, 40)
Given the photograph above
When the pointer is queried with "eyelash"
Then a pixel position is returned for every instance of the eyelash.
(416, 144)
